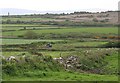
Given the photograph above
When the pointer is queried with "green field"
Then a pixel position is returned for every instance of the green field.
(19, 25)
(26, 19)
(63, 76)
(113, 30)
(24, 41)
(38, 47)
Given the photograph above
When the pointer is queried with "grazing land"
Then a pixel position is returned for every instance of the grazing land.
(57, 47)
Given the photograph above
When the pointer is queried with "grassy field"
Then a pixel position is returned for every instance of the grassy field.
(26, 19)
(36, 62)
(70, 43)
(7, 27)
(63, 76)
(24, 41)
(19, 25)
(113, 30)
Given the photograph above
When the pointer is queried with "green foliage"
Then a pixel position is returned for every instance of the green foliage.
(74, 39)
(70, 32)
(112, 64)
(9, 69)
(29, 63)
(95, 20)
(30, 35)
(97, 61)
(112, 44)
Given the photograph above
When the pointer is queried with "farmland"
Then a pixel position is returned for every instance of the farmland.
(24, 41)
(39, 46)
(105, 30)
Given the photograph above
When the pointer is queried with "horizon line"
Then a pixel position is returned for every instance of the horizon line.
(32, 12)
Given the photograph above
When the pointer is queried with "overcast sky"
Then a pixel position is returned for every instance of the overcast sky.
(60, 5)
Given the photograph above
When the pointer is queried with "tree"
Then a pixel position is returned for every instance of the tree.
(24, 28)
(18, 21)
(30, 35)
(95, 20)
(8, 21)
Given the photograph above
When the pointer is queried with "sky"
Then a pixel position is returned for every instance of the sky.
(61, 5)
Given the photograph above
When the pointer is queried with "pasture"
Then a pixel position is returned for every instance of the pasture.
(26, 19)
(61, 75)
(112, 30)
(24, 41)
(43, 52)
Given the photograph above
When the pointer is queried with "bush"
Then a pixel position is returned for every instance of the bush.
(31, 63)
(112, 44)
(95, 20)
(30, 35)
(10, 69)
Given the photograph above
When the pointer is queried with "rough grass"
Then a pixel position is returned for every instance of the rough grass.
(110, 69)
(45, 71)
(46, 53)
(24, 41)
(25, 19)
(61, 76)
(104, 30)
(78, 44)
(112, 66)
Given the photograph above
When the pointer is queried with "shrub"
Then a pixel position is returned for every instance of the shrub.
(31, 63)
(112, 44)
(95, 20)
(10, 69)
(30, 35)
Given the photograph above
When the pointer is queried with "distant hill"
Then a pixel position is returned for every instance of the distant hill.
(15, 11)
(108, 17)
(64, 19)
